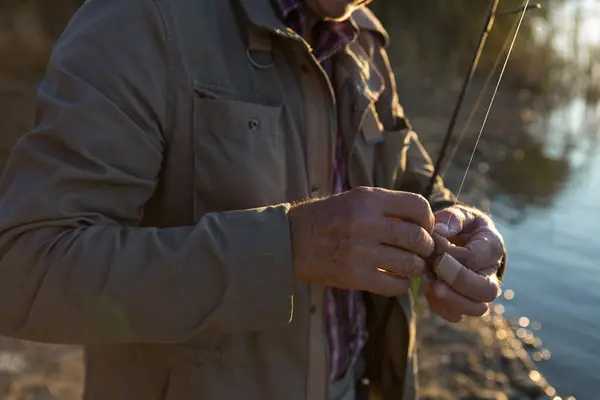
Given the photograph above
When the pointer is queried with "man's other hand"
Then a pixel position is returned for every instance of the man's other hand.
(472, 239)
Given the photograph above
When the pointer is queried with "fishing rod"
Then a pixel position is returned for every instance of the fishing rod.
(488, 25)
(489, 20)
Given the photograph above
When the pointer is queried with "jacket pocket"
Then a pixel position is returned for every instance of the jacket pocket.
(239, 159)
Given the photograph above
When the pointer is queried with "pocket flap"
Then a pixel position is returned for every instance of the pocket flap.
(235, 118)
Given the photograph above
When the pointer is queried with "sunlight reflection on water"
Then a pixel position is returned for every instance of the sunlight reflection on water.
(554, 276)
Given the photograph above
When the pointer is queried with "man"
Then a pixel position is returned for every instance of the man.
(172, 209)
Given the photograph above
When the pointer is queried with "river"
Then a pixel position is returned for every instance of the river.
(554, 274)
(554, 277)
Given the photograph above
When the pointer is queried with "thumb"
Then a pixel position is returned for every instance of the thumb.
(450, 222)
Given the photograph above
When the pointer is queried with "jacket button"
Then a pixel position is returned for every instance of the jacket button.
(253, 124)
(305, 68)
(314, 189)
(313, 309)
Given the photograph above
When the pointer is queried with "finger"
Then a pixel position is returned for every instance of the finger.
(407, 206)
(447, 315)
(478, 254)
(487, 246)
(384, 284)
(399, 262)
(405, 235)
(441, 243)
(437, 307)
(477, 287)
(464, 256)
(454, 302)
(450, 222)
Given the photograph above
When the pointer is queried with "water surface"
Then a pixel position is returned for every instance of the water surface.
(553, 255)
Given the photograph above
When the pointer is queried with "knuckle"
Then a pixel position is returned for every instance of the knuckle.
(362, 193)
(422, 204)
(414, 239)
(422, 210)
(391, 231)
(420, 241)
(414, 265)
(359, 216)
(417, 198)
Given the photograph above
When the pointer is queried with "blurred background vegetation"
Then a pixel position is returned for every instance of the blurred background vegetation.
(437, 37)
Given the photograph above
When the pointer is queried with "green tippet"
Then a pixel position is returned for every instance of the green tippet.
(419, 306)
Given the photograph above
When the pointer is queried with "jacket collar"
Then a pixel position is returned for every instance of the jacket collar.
(262, 14)
(353, 64)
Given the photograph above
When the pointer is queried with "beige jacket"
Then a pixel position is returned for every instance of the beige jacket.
(145, 215)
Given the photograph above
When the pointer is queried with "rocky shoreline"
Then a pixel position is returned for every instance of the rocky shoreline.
(477, 359)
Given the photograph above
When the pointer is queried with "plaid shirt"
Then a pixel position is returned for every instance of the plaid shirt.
(344, 310)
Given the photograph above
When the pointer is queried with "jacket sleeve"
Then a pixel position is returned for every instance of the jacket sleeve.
(417, 167)
(75, 266)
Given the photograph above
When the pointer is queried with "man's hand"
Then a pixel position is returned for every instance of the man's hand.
(471, 238)
(350, 240)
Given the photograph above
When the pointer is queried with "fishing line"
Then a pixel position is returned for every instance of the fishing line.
(489, 109)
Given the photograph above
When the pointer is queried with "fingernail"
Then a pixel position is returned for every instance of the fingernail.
(442, 229)
(440, 290)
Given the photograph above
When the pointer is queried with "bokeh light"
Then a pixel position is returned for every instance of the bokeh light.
(535, 376)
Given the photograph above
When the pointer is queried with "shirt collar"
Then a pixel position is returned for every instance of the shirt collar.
(286, 7)
(332, 36)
